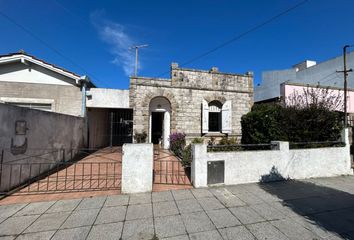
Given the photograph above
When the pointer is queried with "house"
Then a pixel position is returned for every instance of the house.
(27, 81)
(31, 82)
(307, 72)
(195, 102)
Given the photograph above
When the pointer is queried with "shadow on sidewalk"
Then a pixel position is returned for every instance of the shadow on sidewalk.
(328, 208)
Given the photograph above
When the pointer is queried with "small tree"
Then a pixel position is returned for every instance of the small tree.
(319, 97)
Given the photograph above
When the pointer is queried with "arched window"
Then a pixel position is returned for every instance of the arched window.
(215, 116)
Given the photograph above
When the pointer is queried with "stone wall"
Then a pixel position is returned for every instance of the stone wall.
(185, 91)
(64, 99)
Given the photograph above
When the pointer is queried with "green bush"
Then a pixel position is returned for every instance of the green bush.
(197, 140)
(313, 123)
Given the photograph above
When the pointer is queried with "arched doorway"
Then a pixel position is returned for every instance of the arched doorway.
(159, 121)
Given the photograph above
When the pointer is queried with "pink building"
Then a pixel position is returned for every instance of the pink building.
(288, 90)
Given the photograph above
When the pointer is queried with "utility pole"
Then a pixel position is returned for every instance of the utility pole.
(345, 74)
(136, 47)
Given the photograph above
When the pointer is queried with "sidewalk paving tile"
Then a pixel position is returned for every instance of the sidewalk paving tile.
(231, 201)
(268, 212)
(10, 237)
(9, 210)
(109, 231)
(140, 198)
(37, 236)
(223, 218)
(197, 222)
(180, 237)
(111, 214)
(116, 200)
(47, 222)
(249, 198)
(293, 230)
(72, 234)
(164, 208)
(210, 235)
(142, 229)
(64, 205)
(210, 203)
(201, 193)
(162, 196)
(265, 231)
(139, 211)
(35, 208)
(81, 218)
(89, 203)
(246, 215)
(238, 232)
(15, 225)
(182, 194)
(189, 205)
(169, 226)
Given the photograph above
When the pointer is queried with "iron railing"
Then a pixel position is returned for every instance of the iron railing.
(171, 172)
(86, 170)
(240, 147)
(300, 145)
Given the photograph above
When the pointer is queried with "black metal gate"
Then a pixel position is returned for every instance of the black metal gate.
(121, 126)
(169, 170)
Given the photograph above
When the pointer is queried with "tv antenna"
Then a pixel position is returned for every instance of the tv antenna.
(136, 47)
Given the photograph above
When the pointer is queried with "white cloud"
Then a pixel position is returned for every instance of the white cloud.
(115, 35)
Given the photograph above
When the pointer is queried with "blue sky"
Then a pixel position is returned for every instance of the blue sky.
(93, 37)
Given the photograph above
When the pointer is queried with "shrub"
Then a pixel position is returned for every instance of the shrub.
(179, 148)
(140, 137)
(187, 156)
(197, 140)
(177, 143)
(312, 123)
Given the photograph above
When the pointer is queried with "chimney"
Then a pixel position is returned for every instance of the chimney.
(304, 65)
(214, 70)
(174, 65)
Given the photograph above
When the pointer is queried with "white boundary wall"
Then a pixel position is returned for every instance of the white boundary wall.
(137, 167)
(250, 166)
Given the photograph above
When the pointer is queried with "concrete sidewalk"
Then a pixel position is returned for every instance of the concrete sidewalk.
(312, 209)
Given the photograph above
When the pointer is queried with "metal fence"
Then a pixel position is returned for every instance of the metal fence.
(171, 172)
(301, 145)
(239, 147)
(84, 170)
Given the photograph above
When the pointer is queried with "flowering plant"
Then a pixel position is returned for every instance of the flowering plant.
(177, 143)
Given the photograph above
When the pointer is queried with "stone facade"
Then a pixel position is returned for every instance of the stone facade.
(186, 90)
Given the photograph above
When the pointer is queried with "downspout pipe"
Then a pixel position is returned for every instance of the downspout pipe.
(84, 80)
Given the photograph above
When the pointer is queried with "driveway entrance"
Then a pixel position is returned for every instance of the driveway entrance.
(90, 172)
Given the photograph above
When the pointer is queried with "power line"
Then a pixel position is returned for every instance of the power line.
(70, 12)
(272, 19)
(47, 45)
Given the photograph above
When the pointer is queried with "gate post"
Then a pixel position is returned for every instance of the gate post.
(137, 167)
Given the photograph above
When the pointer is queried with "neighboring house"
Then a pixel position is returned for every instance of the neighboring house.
(333, 94)
(196, 102)
(307, 72)
(30, 82)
